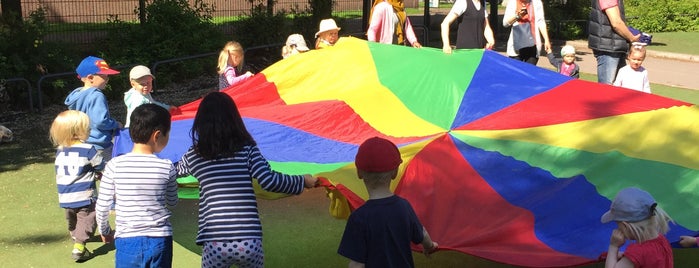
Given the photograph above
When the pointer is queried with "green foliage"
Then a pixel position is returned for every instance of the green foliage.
(663, 15)
(23, 53)
(567, 21)
(172, 29)
(260, 27)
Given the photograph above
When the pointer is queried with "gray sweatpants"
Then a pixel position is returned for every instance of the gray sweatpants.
(81, 223)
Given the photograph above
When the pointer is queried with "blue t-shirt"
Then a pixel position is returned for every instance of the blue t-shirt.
(379, 233)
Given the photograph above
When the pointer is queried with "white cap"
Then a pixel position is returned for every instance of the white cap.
(139, 71)
(567, 50)
(298, 41)
(327, 25)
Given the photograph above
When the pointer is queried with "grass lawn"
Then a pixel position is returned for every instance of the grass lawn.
(677, 42)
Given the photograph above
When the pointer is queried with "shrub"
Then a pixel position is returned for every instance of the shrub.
(663, 15)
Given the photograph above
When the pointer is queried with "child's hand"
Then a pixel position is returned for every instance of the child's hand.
(688, 241)
(428, 251)
(548, 50)
(107, 238)
(309, 181)
(617, 238)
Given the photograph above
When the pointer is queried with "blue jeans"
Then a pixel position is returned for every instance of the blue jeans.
(143, 251)
(608, 64)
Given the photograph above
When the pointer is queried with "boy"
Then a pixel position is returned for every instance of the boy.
(634, 76)
(94, 73)
(566, 66)
(143, 186)
(77, 164)
(141, 86)
(365, 240)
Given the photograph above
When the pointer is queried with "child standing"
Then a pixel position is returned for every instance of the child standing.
(633, 75)
(230, 61)
(327, 34)
(141, 186)
(638, 218)
(295, 44)
(76, 167)
(225, 159)
(141, 86)
(566, 66)
(94, 73)
(365, 240)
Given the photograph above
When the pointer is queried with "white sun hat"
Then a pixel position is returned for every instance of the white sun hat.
(327, 25)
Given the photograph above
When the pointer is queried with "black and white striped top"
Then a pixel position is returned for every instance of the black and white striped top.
(143, 185)
(227, 204)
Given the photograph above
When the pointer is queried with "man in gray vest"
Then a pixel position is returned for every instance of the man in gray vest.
(609, 38)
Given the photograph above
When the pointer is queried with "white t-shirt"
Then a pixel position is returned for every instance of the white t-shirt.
(633, 79)
(460, 6)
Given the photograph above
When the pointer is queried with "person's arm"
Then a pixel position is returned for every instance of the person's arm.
(511, 14)
(619, 25)
(428, 246)
(105, 199)
(233, 79)
(488, 33)
(375, 24)
(446, 23)
(410, 34)
(543, 29)
(171, 192)
(688, 241)
(613, 259)
(646, 83)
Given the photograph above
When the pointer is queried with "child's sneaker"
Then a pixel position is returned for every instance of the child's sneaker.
(80, 253)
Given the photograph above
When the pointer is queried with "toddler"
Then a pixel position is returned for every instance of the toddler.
(141, 86)
(77, 164)
(295, 44)
(633, 75)
(638, 218)
(327, 34)
(567, 65)
(230, 61)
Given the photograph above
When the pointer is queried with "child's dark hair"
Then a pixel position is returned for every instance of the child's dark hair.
(146, 119)
(218, 129)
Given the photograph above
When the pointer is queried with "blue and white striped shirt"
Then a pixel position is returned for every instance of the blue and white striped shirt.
(144, 185)
(75, 174)
(227, 203)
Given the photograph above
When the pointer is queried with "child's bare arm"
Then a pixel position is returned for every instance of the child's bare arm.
(428, 246)
(688, 241)
(354, 264)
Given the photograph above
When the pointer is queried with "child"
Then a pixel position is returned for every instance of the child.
(141, 86)
(634, 76)
(230, 59)
(327, 34)
(225, 159)
(365, 240)
(638, 218)
(140, 185)
(89, 99)
(76, 166)
(566, 66)
(295, 44)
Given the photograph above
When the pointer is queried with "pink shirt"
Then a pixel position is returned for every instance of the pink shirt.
(383, 24)
(655, 253)
(605, 4)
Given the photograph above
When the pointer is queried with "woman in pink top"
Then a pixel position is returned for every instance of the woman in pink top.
(390, 25)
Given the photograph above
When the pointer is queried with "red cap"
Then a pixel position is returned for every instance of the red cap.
(377, 155)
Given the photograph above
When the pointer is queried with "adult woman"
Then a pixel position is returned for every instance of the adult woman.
(389, 24)
(519, 13)
(474, 29)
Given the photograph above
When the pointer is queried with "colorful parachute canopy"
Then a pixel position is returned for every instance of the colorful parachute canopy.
(502, 159)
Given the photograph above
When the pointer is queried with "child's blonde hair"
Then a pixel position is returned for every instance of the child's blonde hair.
(649, 228)
(68, 127)
(230, 47)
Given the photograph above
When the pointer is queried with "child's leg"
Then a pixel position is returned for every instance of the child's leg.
(72, 219)
(242, 253)
(85, 224)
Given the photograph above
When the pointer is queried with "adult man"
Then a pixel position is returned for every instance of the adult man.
(609, 37)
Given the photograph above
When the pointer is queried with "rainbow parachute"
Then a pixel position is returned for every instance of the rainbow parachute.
(502, 159)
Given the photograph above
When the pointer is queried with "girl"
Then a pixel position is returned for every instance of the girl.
(638, 218)
(295, 44)
(230, 59)
(327, 34)
(77, 166)
(224, 158)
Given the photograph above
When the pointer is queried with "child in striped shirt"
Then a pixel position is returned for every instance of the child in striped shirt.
(225, 159)
(77, 164)
(144, 185)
